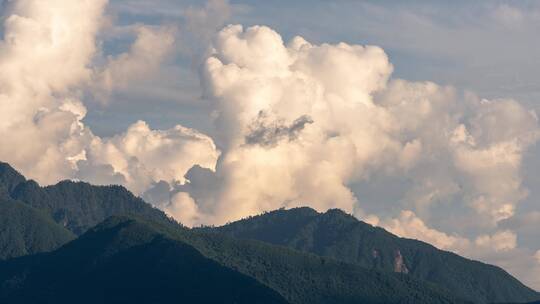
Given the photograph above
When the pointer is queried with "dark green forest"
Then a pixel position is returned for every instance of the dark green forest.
(160, 262)
(25, 230)
(342, 237)
(78, 243)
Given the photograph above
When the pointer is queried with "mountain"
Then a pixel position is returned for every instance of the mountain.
(9, 179)
(340, 236)
(126, 260)
(37, 219)
(76, 206)
(25, 230)
(79, 206)
(306, 278)
(297, 256)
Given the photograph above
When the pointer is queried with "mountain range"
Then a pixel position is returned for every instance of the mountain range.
(75, 242)
(342, 237)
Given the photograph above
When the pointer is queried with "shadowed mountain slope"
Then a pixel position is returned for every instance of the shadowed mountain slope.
(124, 261)
(331, 258)
(25, 230)
(9, 179)
(75, 205)
(37, 219)
(79, 206)
(342, 237)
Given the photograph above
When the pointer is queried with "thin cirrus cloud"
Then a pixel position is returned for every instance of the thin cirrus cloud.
(294, 123)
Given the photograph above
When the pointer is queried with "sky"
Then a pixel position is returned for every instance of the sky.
(417, 116)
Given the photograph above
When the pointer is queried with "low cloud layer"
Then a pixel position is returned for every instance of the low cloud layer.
(296, 124)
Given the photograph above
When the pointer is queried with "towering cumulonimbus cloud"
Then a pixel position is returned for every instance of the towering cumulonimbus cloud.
(298, 123)
(253, 72)
(46, 63)
(42, 57)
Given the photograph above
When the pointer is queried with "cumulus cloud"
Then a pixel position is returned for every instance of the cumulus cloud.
(184, 209)
(143, 156)
(500, 241)
(452, 147)
(309, 120)
(39, 65)
(409, 225)
(46, 64)
(144, 59)
(499, 248)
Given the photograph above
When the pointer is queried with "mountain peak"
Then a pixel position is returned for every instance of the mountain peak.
(9, 178)
(340, 214)
(306, 211)
(340, 236)
(75, 205)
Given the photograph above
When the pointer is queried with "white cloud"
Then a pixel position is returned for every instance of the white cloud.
(45, 64)
(359, 123)
(40, 117)
(499, 248)
(253, 75)
(144, 156)
(410, 226)
(143, 61)
(500, 241)
(184, 209)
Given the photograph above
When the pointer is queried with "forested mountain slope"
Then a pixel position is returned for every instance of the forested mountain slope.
(124, 261)
(297, 256)
(75, 205)
(25, 230)
(342, 237)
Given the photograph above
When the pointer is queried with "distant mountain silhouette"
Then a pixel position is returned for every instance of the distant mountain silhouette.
(340, 236)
